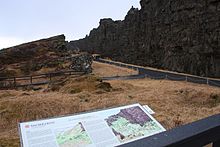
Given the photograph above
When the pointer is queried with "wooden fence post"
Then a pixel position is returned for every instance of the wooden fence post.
(50, 77)
(31, 80)
(15, 82)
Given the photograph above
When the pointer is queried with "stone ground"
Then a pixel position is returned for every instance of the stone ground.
(175, 103)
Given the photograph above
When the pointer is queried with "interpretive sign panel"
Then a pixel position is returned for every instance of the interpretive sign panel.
(110, 127)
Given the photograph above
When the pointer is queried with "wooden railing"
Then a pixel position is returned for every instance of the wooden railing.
(41, 79)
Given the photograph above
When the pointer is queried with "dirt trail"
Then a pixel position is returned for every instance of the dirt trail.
(107, 70)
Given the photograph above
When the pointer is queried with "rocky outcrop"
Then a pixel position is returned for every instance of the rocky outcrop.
(37, 50)
(81, 63)
(182, 36)
(30, 57)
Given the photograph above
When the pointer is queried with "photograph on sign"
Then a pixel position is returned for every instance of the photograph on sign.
(109, 127)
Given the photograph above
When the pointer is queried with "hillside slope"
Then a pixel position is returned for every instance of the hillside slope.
(32, 56)
(32, 50)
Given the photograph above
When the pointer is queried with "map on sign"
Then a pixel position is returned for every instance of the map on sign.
(73, 136)
(131, 123)
(109, 127)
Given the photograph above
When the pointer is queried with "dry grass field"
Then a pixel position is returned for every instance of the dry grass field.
(106, 70)
(175, 103)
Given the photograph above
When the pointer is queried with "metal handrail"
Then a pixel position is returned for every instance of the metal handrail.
(196, 134)
(188, 78)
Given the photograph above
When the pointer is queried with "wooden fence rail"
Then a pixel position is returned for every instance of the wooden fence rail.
(22, 81)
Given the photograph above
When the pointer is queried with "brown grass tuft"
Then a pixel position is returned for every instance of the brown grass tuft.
(89, 83)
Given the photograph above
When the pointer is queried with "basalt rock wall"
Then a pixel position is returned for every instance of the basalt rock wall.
(182, 36)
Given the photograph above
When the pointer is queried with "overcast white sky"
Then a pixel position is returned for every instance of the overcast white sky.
(27, 20)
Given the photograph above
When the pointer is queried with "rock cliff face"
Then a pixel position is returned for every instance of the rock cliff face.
(182, 36)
